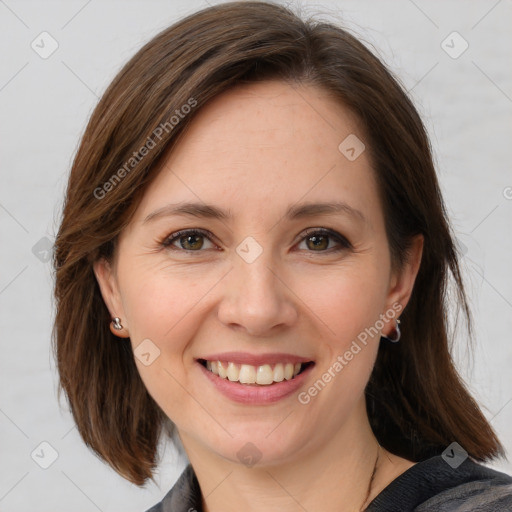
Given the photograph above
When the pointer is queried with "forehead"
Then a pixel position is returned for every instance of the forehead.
(270, 115)
(265, 143)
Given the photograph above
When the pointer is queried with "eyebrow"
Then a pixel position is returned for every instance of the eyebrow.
(294, 212)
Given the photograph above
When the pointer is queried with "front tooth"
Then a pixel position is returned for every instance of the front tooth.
(222, 370)
(265, 375)
(296, 369)
(288, 371)
(279, 372)
(233, 372)
(247, 374)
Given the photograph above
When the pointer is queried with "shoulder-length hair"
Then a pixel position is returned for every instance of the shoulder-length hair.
(416, 401)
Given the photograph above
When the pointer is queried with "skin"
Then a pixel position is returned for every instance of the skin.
(255, 150)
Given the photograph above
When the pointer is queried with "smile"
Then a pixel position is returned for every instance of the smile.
(263, 375)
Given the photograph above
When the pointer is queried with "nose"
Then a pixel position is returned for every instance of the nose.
(256, 299)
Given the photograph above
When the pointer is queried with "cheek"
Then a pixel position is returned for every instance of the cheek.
(161, 302)
(348, 303)
(165, 306)
(346, 300)
(348, 306)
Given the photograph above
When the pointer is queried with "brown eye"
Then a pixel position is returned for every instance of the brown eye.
(191, 242)
(318, 240)
(187, 240)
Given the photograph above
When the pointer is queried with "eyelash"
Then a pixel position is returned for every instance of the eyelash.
(345, 244)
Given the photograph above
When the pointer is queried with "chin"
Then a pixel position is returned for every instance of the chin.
(259, 446)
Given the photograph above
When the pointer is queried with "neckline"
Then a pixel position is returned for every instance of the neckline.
(426, 479)
(423, 480)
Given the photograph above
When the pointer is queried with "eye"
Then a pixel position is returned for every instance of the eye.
(188, 239)
(318, 240)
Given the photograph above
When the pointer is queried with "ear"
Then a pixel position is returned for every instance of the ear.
(402, 280)
(107, 282)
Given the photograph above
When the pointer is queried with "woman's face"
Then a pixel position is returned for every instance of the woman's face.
(269, 281)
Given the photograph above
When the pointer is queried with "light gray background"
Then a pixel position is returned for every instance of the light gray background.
(45, 103)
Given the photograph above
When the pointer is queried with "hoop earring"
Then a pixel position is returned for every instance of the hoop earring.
(398, 333)
(116, 323)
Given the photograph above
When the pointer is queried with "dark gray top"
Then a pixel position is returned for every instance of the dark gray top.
(431, 485)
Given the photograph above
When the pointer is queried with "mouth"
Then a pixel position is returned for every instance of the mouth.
(250, 375)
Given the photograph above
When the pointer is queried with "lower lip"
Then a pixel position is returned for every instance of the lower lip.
(256, 394)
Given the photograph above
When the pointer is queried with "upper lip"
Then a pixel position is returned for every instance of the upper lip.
(256, 359)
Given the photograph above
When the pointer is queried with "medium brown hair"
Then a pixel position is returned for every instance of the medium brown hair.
(416, 401)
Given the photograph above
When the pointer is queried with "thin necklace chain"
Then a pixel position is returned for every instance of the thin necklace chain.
(371, 478)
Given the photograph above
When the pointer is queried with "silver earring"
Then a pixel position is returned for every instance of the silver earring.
(116, 322)
(398, 333)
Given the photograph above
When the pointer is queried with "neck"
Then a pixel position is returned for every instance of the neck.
(343, 473)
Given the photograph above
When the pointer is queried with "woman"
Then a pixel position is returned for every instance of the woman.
(254, 255)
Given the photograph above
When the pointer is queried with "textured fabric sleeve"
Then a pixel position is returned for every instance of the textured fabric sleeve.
(481, 496)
